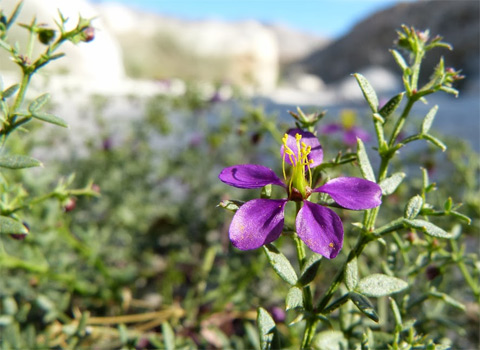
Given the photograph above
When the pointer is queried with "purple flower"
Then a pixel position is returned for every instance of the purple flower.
(347, 127)
(260, 221)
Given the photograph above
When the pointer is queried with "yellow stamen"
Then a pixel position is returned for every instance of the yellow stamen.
(300, 163)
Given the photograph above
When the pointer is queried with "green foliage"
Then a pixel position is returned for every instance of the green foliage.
(148, 263)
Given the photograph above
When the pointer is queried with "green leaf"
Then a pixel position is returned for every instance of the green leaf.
(390, 107)
(337, 303)
(330, 340)
(379, 285)
(399, 59)
(435, 141)
(449, 300)
(428, 228)
(266, 192)
(280, 264)
(266, 328)
(461, 216)
(413, 207)
(12, 226)
(168, 336)
(351, 274)
(364, 305)
(449, 90)
(10, 91)
(252, 335)
(294, 298)
(367, 91)
(390, 184)
(309, 270)
(396, 313)
(365, 166)
(232, 205)
(16, 161)
(427, 122)
(50, 118)
(38, 103)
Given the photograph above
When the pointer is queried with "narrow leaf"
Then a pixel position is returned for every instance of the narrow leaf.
(428, 228)
(436, 142)
(168, 336)
(351, 274)
(396, 313)
(449, 90)
(280, 264)
(364, 305)
(390, 184)
(294, 298)
(461, 216)
(266, 192)
(12, 226)
(390, 107)
(367, 91)
(50, 118)
(331, 340)
(38, 103)
(16, 161)
(365, 166)
(232, 205)
(379, 285)
(252, 335)
(399, 59)
(10, 91)
(266, 328)
(449, 300)
(427, 122)
(413, 207)
(309, 270)
(337, 303)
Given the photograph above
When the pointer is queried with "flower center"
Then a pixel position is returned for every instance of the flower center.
(299, 187)
(347, 118)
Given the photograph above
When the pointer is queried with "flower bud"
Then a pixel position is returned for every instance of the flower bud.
(46, 36)
(88, 34)
(21, 236)
(432, 272)
(70, 204)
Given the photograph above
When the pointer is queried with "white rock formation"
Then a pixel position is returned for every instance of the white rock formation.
(249, 48)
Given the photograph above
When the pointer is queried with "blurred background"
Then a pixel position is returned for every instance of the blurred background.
(285, 52)
(282, 52)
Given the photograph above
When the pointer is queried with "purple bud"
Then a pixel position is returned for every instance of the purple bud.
(432, 272)
(70, 204)
(278, 314)
(21, 236)
(88, 34)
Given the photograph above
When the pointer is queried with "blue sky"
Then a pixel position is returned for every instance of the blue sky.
(330, 18)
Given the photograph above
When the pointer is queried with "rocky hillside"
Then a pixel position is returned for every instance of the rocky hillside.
(246, 52)
(364, 46)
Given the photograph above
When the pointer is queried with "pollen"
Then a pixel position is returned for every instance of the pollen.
(331, 245)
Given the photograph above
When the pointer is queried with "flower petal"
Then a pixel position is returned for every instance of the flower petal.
(320, 229)
(353, 193)
(331, 128)
(350, 136)
(249, 176)
(257, 222)
(316, 154)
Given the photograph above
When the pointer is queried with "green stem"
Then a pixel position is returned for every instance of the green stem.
(21, 92)
(466, 274)
(362, 241)
(401, 121)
